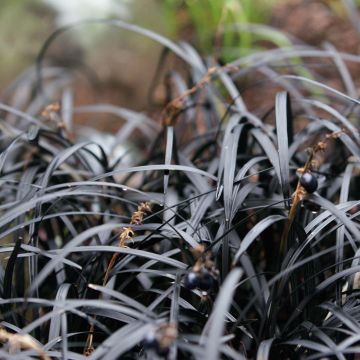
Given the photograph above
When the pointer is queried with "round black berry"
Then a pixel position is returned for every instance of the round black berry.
(309, 182)
(206, 280)
(150, 341)
(191, 280)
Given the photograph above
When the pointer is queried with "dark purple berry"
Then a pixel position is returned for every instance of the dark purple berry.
(309, 182)
(206, 280)
(150, 341)
(191, 280)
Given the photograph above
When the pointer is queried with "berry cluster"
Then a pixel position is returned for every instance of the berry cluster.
(201, 279)
(203, 274)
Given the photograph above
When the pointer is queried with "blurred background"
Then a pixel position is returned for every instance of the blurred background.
(118, 67)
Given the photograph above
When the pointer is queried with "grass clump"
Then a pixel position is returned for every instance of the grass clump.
(98, 252)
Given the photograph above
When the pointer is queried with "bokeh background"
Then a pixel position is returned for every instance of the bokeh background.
(118, 67)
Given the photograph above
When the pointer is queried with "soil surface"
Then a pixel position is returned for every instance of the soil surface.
(317, 23)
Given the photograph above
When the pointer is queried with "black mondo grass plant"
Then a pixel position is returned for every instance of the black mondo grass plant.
(227, 235)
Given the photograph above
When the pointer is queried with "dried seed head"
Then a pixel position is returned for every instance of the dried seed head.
(167, 334)
(197, 250)
(50, 109)
(161, 339)
(126, 234)
(89, 351)
(21, 341)
(300, 170)
(320, 146)
(138, 215)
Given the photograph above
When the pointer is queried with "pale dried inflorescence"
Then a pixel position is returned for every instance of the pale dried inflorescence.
(21, 341)
(126, 234)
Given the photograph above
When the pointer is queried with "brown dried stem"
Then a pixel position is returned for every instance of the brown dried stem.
(176, 105)
(300, 192)
(126, 234)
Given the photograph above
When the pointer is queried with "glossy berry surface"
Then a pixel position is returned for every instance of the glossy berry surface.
(191, 280)
(206, 281)
(309, 182)
(150, 341)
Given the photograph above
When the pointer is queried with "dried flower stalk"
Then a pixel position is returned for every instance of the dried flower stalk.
(21, 341)
(125, 236)
(176, 105)
(52, 113)
(300, 192)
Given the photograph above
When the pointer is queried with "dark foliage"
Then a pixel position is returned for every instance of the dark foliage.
(235, 259)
